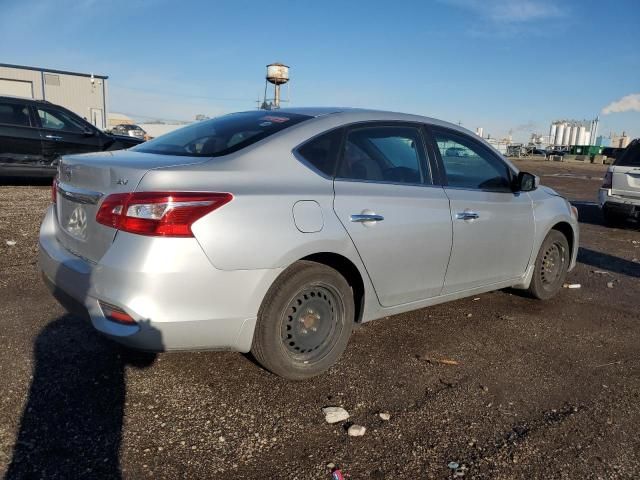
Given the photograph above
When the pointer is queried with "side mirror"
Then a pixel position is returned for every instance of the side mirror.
(88, 132)
(526, 182)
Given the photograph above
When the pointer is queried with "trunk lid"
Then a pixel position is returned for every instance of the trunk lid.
(85, 180)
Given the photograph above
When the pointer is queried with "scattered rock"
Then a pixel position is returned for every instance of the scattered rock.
(356, 430)
(453, 465)
(469, 315)
(440, 361)
(484, 388)
(11, 243)
(335, 414)
(572, 285)
(610, 284)
(385, 416)
(331, 465)
(599, 272)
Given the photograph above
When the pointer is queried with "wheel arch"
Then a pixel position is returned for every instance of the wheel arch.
(567, 230)
(349, 271)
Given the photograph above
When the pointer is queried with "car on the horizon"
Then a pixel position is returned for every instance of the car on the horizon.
(619, 195)
(129, 130)
(277, 232)
(34, 134)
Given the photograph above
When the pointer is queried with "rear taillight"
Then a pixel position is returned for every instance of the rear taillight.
(608, 180)
(165, 214)
(54, 190)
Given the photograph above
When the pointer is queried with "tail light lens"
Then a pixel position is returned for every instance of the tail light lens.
(116, 314)
(165, 214)
(54, 190)
(608, 180)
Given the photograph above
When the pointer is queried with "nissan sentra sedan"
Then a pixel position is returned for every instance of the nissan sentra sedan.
(276, 232)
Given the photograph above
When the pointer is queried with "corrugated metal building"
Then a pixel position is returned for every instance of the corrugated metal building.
(83, 93)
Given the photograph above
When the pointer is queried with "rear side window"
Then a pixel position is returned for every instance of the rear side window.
(14, 114)
(322, 152)
(387, 154)
(222, 135)
(631, 155)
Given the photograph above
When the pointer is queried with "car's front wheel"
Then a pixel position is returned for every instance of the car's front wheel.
(305, 321)
(551, 266)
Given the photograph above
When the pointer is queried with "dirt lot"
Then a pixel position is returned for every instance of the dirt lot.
(542, 390)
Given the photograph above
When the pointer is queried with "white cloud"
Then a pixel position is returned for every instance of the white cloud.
(628, 103)
(510, 11)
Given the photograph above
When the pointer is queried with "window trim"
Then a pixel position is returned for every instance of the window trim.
(425, 164)
(433, 129)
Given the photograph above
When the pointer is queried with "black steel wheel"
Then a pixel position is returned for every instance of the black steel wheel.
(305, 321)
(552, 264)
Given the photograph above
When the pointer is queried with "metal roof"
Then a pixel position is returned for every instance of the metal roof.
(48, 70)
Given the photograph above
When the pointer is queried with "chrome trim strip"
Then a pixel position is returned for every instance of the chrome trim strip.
(79, 195)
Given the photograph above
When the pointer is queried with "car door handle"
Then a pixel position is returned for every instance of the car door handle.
(467, 215)
(53, 137)
(360, 218)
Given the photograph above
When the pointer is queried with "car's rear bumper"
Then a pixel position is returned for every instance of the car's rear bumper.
(623, 206)
(177, 298)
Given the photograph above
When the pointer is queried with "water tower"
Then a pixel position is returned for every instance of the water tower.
(277, 74)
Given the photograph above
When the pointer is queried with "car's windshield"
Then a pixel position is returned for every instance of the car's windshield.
(222, 135)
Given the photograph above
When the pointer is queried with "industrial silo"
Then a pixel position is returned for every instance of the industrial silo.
(573, 138)
(581, 135)
(566, 134)
(559, 134)
(552, 133)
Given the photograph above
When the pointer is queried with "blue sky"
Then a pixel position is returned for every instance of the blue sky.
(500, 64)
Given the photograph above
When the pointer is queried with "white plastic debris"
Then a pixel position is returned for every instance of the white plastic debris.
(385, 416)
(11, 243)
(356, 430)
(572, 285)
(335, 414)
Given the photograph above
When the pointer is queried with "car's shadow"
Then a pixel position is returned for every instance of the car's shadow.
(590, 213)
(71, 426)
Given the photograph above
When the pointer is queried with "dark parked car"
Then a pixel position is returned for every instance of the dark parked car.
(129, 130)
(34, 134)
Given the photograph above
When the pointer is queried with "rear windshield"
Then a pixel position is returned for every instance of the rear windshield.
(631, 155)
(222, 135)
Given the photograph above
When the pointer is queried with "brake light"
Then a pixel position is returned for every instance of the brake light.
(54, 190)
(166, 214)
(608, 180)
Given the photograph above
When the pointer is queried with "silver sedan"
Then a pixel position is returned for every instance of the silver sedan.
(276, 232)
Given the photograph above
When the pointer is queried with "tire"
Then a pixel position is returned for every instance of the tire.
(551, 266)
(304, 322)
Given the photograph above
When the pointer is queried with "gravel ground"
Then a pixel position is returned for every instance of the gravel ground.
(541, 389)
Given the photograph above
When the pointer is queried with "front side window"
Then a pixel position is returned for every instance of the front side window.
(222, 135)
(468, 164)
(14, 114)
(384, 154)
(59, 120)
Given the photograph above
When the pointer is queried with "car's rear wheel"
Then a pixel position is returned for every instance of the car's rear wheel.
(551, 266)
(305, 321)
